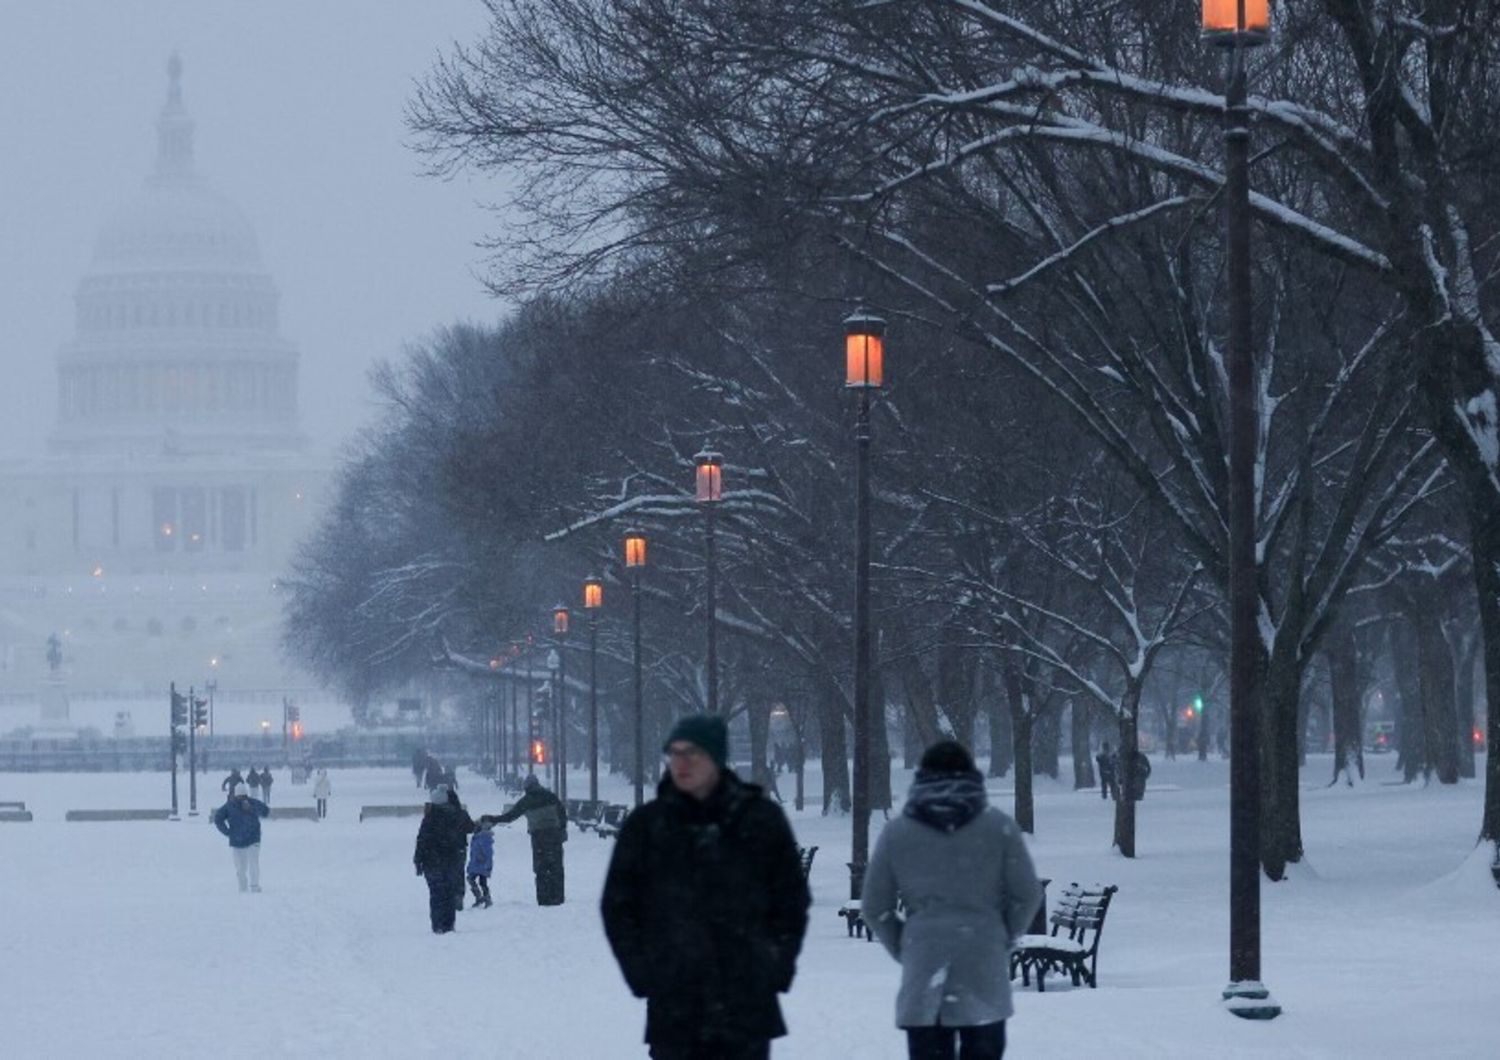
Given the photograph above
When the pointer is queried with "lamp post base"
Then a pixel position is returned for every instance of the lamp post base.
(1250, 1000)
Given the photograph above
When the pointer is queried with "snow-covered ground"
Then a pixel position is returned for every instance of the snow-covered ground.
(132, 940)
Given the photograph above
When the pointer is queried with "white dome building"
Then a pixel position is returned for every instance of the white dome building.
(178, 480)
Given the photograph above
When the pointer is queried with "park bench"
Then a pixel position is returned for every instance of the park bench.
(805, 859)
(14, 811)
(19, 807)
(1073, 945)
(295, 813)
(117, 815)
(392, 811)
(590, 812)
(609, 824)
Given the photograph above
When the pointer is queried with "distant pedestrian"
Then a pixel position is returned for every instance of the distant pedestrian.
(1109, 785)
(1136, 768)
(419, 765)
(322, 788)
(705, 905)
(547, 824)
(252, 782)
(960, 869)
(432, 773)
(230, 781)
(239, 819)
(481, 863)
(442, 842)
(266, 779)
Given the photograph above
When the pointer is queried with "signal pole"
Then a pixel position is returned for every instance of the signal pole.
(192, 753)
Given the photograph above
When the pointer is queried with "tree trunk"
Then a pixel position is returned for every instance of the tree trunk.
(911, 739)
(835, 753)
(1078, 742)
(880, 748)
(1281, 793)
(1464, 646)
(1130, 707)
(1047, 741)
(1439, 710)
(1020, 725)
(758, 714)
(1343, 682)
(1484, 523)
(1002, 740)
(1409, 729)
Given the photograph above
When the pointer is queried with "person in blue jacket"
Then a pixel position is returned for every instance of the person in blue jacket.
(481, 863)
(239, 819)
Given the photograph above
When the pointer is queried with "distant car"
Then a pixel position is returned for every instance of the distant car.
(1381, 737)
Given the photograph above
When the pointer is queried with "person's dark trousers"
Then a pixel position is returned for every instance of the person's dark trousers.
(759, 1050)
(480, 886)
(547, 863)
(984, 1042)
(322, 808)
(441, 884)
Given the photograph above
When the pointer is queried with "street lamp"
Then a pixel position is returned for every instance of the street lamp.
(560, 620)
(593, 599)
(710, 481)
(1239, 25)
(635, 562)
(864, 373)
(554, 665)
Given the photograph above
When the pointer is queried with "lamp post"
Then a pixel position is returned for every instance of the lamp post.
(593, 599)
(710, 490)
(1239, 25)
(554, 700)
(864, 373)
(635, 562)
(560, 622)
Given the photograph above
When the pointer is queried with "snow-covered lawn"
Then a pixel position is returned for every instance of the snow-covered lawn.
(131, 939)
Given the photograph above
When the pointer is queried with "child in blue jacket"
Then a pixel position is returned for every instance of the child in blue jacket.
(481, 863)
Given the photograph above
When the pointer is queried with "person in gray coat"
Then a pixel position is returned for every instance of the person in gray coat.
(960, 869)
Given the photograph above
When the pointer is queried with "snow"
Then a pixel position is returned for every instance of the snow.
(131, 939)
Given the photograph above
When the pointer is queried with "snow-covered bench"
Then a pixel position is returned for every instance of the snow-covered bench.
(1073, 945)
(586, 814)
(609, 824)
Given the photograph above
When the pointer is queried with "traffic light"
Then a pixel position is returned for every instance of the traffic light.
(179, 742)
(200, 713)
(296, 730)
(179, 709)
(293, 713)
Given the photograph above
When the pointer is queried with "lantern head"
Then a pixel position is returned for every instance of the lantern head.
(1237, 23)
(593, 593)
(560, 620)
(864, 351)
(635, 549)
(710, 477)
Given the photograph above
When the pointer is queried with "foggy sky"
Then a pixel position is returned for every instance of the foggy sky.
(298, 111)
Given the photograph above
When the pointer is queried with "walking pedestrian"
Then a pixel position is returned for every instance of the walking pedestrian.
(239, 819)
(266, 780)
(1109, 785)
(705, 906)
(252, 782)
(230, 781)
(961, 870)
(322, 788)
(442, 841)
(1137, 767)
(547, 824)
(481, 863)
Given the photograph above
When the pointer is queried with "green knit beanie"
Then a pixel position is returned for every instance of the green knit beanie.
(705, 731)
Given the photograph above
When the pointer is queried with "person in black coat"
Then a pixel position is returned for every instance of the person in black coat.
(442, 845)
(547, 823)
(1109, 787)
(705, 906)
(266, 780)
(231, 780)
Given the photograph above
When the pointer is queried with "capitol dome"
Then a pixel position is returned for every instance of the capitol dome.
(177, 340)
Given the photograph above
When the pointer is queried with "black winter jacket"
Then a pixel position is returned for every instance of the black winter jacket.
(705, 908)
(443, 839)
